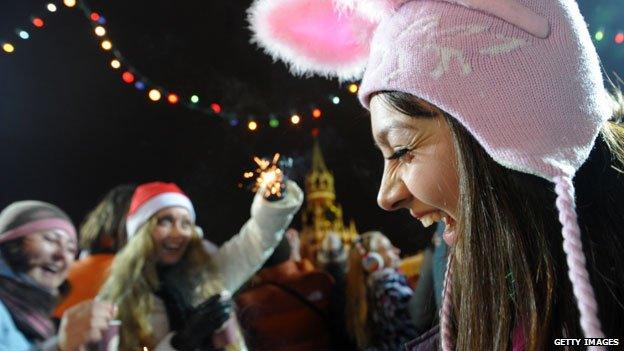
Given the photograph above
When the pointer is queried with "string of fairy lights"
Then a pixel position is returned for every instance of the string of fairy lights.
(158, 93)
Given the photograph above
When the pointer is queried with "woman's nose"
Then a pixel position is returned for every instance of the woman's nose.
(63, 253)
(392, 193)
(176, 230)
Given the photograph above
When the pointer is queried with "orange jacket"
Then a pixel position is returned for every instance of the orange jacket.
(85, 277)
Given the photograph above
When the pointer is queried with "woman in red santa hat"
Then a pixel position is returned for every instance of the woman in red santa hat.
(167, 287)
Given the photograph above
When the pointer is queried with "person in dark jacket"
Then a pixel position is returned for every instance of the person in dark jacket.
(377, 312)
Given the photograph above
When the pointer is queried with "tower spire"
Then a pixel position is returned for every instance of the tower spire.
(322, 214)
(318, 163)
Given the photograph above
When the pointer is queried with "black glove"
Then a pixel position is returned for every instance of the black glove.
(202, 323)
(178, 305)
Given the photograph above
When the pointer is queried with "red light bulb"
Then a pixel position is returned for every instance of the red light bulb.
(215, 107)
(127, 77)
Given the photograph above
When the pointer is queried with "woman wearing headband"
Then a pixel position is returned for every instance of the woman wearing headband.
(37, 247)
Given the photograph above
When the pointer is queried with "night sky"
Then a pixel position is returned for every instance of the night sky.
(70, 129)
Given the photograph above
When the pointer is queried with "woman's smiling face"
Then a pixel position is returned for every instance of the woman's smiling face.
(172, 234)
(49, 255)
(420, 172)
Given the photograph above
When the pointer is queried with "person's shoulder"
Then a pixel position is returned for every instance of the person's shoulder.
(10, 337)
(305, 265)
(4, 313)
(389, 282)
(91, 263)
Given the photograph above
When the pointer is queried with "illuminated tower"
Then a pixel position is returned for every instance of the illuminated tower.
(322, 214)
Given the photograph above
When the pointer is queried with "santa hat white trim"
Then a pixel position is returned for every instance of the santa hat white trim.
(153, 205)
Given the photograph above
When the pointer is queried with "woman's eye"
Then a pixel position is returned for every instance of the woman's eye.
(399, 153)
(72, 250)
(164, 221)
(51, 237)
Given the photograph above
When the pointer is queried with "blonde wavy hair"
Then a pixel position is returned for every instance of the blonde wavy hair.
(133, 279)
(357, 311)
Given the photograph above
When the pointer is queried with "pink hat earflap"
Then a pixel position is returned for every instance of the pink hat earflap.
(313, 36)
(573, 248)
(446, 332)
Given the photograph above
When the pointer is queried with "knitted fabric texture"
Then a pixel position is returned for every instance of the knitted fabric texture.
(535, 105)
(27, 217)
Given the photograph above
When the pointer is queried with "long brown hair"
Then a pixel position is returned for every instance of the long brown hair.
(509, 268)
(103, 229)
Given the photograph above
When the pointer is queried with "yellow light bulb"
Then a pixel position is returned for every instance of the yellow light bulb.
(154, 95)
(295, 119)
(69, 3)
(252, 125)
(115, 64)
(8, 47)
(353, 88)
(107, 45)
(100, 31)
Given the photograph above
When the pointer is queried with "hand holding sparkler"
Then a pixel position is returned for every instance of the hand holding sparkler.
(270, 178)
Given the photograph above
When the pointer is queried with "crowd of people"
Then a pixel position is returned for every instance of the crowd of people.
(494, 122)
(143, 262)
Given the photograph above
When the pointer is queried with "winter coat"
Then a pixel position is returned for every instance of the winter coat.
(10, 337)
(85, 277)
(241, 256)
(392, 323)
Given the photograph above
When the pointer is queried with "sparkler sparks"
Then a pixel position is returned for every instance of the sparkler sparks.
(269, 177)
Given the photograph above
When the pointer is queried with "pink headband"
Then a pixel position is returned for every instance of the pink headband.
(37, 226)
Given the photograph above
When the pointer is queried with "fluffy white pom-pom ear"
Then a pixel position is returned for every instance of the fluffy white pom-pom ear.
(312, 36)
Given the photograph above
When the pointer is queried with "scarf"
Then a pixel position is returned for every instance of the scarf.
(30, 307)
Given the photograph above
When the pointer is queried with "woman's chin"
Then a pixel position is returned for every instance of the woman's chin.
(169, 259)
(46, 279)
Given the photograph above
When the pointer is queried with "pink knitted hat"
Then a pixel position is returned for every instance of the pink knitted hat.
(522, 76)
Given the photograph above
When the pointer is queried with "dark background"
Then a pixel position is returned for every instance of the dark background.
(70, 129)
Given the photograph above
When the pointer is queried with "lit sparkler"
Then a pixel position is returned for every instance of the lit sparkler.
(269, 177)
